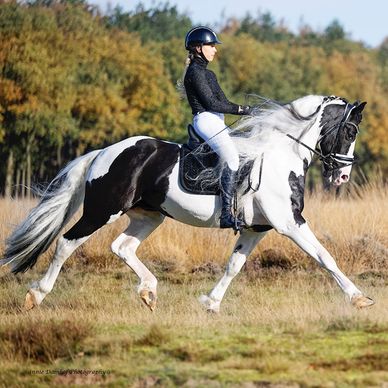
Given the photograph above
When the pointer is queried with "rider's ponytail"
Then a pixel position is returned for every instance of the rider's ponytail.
(180, 83)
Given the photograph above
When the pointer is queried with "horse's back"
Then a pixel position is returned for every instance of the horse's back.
(132, 172)
(106, 157)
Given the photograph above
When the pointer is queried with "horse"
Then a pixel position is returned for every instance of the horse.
(139, 177)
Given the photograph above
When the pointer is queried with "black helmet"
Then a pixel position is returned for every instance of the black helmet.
(200, 35)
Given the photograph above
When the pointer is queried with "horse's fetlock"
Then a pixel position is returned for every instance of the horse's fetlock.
(150, 284)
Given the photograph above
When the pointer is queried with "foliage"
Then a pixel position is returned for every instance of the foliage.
(67, 80)
(156, 24)
(73, 79)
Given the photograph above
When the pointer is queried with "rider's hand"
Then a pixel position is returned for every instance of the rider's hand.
(245, 110)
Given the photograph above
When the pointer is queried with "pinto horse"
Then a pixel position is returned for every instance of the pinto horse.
(139, 177)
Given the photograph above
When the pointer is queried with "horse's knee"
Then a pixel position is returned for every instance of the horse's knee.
(286, 228)
(115, 246)
(123, 246)
(235, 265)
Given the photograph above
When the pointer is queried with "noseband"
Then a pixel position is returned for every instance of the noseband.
(333, 160)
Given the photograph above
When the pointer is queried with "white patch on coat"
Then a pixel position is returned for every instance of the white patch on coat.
(102, 163)
(114, 217)
(192, 209)
(346, 170)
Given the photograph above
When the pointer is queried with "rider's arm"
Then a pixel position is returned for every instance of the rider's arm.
(207, 90)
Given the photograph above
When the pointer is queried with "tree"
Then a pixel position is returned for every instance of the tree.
(155, 24)
(68, 84)
(264, 28)
(334, 31)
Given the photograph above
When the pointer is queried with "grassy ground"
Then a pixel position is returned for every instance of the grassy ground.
(291, 328)
(283, 322)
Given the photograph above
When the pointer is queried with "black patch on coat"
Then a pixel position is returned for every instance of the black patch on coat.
(331, 116)
(297, 184)
(261, 228)
(138, 177)
(239, 246)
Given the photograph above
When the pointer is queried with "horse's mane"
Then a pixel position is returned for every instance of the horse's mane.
(251, 134)
(271, 118)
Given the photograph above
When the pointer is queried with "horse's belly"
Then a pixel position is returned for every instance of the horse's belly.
(192, 209)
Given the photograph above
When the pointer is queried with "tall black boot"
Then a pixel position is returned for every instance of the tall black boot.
(228, 186)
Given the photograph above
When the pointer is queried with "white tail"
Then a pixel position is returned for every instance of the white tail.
(58, 204)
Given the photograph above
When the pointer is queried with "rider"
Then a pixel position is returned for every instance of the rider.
(209, 103)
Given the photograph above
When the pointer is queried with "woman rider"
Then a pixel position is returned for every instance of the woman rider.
(209, 103)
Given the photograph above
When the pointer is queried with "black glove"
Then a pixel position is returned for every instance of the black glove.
(245, 110)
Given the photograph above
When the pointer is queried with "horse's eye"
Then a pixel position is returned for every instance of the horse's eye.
(351, 134)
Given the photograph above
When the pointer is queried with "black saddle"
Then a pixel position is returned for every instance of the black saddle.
(196, 156)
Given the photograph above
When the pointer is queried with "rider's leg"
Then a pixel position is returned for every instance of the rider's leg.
(211, 127)
(228, 188)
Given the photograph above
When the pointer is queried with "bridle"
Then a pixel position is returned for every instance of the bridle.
(333, 160)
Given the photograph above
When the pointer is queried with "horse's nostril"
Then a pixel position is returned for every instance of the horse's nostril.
(345, 177)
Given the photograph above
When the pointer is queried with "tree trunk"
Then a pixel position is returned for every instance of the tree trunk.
(17, 183)
(23, 183)
(9, 175)
(59, 156)
(28, 171)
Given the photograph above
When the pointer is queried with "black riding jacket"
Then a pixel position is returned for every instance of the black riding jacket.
(203, 91)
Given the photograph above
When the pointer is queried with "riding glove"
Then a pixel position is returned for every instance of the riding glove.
(245, 110)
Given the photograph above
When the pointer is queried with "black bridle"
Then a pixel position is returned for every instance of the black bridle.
(333, 160)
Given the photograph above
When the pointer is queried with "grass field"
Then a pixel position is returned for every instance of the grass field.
(283, 323)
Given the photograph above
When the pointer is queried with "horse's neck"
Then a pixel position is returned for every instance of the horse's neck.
(310, 139)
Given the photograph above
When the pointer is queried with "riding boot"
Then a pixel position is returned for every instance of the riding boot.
(228, 186)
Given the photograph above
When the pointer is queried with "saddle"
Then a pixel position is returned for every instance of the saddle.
(196, 156)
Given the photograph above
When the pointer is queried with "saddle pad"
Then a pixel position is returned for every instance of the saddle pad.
(190, 166)
(192, 163)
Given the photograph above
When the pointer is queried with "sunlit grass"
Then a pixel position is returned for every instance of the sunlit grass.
(283, 320)
(283, 327)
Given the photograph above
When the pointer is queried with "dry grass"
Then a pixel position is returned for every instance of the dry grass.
(44, 342)
(285, 327)
(353, 227)
(283, 321)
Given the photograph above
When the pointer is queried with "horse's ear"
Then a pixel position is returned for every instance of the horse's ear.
(360, 107)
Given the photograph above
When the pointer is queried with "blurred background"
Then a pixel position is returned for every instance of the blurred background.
(80, 75)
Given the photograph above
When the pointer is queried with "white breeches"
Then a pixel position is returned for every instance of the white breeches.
(211, 127)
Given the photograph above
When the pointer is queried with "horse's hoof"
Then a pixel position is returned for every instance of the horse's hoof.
(30, 301)
(209, 304)
(361, 301)
(149, 298)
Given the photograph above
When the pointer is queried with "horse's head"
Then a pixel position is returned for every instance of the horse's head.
(339, 128)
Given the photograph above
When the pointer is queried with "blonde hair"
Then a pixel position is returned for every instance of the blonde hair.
(180, 84)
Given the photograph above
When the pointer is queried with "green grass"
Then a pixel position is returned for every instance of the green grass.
(292, 328)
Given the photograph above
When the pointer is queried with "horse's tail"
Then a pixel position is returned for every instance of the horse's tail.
(58, 204)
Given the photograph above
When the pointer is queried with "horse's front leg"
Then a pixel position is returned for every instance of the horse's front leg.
(244, 246)
(305, 239)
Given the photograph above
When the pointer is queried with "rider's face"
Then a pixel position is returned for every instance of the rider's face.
(209, 51)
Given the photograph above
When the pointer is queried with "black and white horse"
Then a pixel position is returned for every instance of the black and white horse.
(139, 177)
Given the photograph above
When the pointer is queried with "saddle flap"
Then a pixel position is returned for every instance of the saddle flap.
(191, 164)
(194, 140)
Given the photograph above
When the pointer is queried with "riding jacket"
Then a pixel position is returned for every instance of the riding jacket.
(203, 91)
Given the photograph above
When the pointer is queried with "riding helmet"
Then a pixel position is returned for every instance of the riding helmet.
(200, 35)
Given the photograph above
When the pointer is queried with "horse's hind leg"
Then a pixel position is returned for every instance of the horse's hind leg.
(66, 245)
(142, 224)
